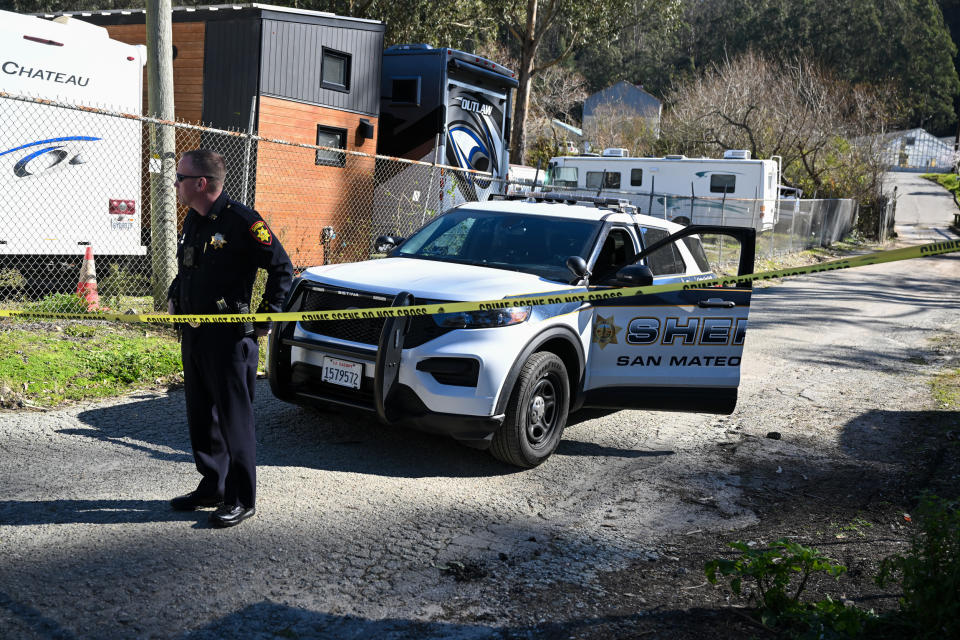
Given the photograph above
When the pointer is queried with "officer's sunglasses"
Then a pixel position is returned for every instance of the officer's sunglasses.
(181, 177)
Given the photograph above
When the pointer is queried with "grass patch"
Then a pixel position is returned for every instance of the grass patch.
(949, 181)
(946, 390)
(79, 361)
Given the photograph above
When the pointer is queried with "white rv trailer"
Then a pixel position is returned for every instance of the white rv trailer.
(733, 190)
(69, 178)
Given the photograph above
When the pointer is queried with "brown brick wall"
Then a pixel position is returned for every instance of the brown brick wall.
(298, 198)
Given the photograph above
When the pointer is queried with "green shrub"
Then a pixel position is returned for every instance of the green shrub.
(930, 571)
(59, 303)
(778, 576)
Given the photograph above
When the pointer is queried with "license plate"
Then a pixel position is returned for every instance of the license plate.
(342, 372)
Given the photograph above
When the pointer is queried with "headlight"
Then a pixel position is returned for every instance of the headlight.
(482, 319)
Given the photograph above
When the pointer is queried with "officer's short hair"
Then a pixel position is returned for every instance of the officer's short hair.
(210, 164)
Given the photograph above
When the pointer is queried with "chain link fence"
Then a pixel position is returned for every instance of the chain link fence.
(786, 225)
(79, 181)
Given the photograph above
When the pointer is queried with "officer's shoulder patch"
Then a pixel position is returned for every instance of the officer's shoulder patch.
(261, 233)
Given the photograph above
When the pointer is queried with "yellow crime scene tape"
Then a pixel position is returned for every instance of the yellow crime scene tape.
(879, 257)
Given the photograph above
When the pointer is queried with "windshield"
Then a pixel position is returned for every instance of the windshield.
(539, 245)
(561, 176)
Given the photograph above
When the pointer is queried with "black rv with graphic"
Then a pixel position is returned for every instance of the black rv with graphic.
(449, 107)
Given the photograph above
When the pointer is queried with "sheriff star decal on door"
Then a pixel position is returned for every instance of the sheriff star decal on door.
(605, 331)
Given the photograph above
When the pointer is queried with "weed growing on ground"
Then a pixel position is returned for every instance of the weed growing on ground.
(930, 574)
(777, 576)
(930, 571)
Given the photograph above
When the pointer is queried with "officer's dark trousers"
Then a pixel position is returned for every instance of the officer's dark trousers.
(220, 372)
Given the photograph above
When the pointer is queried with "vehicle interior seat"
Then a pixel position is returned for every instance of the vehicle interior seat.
(616, 253)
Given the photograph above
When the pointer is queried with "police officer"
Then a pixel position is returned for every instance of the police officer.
(222, 246)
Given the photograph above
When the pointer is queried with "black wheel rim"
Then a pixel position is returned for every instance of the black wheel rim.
(542, 411)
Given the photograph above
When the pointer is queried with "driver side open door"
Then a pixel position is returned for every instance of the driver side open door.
(675, 350)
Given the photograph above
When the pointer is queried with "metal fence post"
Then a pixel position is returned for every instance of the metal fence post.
(426, 198)
(246, 153)
(723, 206)
(653, 184)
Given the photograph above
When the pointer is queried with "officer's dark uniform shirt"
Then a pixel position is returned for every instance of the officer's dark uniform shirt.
(218, 256)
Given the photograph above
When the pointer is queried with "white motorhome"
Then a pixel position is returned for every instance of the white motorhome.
(733, 190)
(70, 178)
(523, 179)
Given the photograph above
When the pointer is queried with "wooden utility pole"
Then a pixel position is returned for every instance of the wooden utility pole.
(163, 152)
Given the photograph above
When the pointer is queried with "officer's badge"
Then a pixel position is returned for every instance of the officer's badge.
(605, 331)
(217, 241)
(261, 233)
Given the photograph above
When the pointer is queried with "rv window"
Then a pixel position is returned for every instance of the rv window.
(331, 137)
(665, 260)
(722, 183)
(406, 91)
(611, 181)
(335, 70)
(563, 177)
(636, 177)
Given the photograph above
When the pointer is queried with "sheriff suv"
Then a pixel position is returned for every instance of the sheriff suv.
(505, 377)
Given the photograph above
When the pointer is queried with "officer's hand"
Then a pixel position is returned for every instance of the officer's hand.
(261, 331)
(170, 308)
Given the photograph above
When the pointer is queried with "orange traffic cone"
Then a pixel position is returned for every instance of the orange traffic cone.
(87, 286)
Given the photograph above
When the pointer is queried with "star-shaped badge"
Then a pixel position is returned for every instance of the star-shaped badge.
(261, 232)
(605, 331)
(217, 241)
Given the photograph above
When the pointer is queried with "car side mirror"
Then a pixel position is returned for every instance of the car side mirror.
(635, 275)
(578, 267)
(385, 244)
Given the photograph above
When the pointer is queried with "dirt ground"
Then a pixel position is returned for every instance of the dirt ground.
(855, 522)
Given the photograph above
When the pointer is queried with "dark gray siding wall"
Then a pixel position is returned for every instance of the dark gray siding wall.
(292, 55)
(230, 62)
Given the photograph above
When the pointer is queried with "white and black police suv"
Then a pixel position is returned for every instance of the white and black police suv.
(505, 377)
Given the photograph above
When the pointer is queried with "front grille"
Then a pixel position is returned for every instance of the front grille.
(364, 331)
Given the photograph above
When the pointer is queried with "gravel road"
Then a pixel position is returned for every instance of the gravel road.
(368, 532)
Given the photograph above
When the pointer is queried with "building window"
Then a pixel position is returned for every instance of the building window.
(331, 137)
(335, 70)
(405, 91)
(722, 183)
(636, 177)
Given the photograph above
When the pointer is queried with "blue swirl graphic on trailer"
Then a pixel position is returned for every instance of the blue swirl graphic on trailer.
(42, 160)
(474, 140)
(471, 151)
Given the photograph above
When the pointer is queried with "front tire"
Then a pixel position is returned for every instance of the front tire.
(536, 413)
